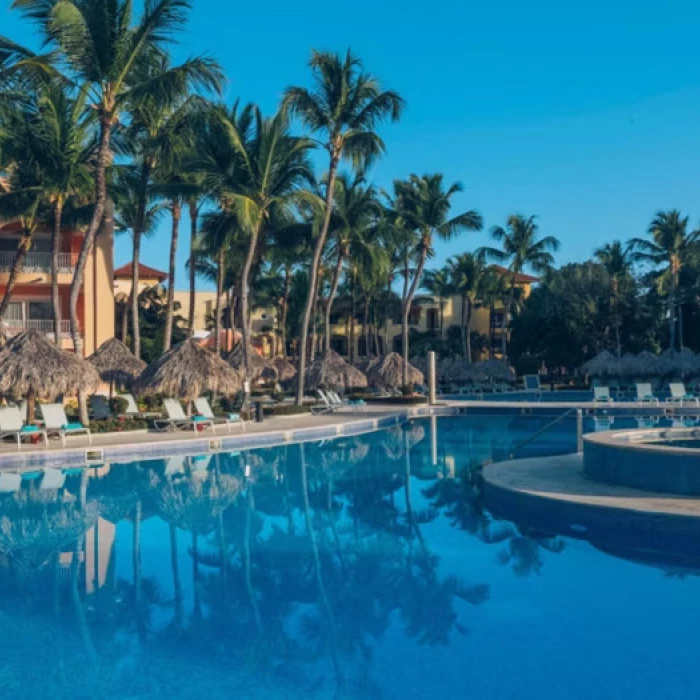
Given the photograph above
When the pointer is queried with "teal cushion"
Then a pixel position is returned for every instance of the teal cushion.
(73, 426)
(29, 429)
(357, 402)
(233, 416)
(199, 418)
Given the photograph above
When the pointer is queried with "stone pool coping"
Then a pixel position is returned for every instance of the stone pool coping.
(116, 447)
(640, 439)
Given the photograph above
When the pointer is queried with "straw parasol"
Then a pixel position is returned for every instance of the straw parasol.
(645, 364)
(388, 374)
(365, 364)
(31, 365)
(496, 370)
(602, 365)
(115, 363)
(260, 368)
(681, 363)
(333, 372)
(285, 369)
(188, 371)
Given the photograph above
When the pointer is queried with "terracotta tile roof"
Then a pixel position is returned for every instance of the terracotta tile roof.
(519, 279)
(145, 273)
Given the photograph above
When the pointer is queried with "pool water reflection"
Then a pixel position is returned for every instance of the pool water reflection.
(364, 567)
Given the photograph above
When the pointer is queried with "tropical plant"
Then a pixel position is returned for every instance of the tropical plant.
(344, 107)
(521, 247)
(439, 284)
(670, 246)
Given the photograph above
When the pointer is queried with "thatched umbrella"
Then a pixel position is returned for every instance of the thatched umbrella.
(31, 365)
(285, 369)
(333, 372)
(365, 364)
(645, 364)
(602, 365)
(421, 364)
(681, 363)
(388, 374)
(188, 371)
(626, 365)
(116, 364)
(260, 368)
(495, 369)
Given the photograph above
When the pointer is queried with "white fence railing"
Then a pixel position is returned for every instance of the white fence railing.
(37, 262)
(12, 327)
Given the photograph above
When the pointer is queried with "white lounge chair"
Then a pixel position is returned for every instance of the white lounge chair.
(355, 404)
(132, 409)
(531, 382)
(12, 425)
(56, 423)
(204, 409)
(601, 394)
(199, 465)
(326, 405)
(177, 420)
(175, 465)
(645, 395)
(680, 396)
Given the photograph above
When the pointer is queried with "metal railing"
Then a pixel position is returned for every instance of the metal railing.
(37, 262)
(550, 425)
(12, 327)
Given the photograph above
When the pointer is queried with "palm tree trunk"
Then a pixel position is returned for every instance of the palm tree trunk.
(125, 321)
(468, 330)
(89, 239)
(617, 323)
(407, 308)
(245, 290)
(463, 329)
(491, 310)
(168, 339)
(353, 311)
(219, 292)
(285, 307)
(506, 321)
(672, 315)
(136, 558)
(196, 585)
(55, 249)
(22, 250)
(134, 296)
(314, 335)
(247, 561)
(331, 297)
(313, 277)
(192, 205)
(442, 316)
(365, 326)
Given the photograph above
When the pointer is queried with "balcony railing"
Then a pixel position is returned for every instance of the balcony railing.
(12, 327)
(37, 262)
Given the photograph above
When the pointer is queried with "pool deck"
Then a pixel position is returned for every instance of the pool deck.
(560, 480)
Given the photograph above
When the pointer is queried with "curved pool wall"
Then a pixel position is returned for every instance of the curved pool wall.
(636, 458)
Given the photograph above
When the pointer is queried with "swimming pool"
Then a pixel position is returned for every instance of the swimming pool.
(362, 567)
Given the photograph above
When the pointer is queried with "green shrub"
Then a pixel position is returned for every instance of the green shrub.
(118, 405)
(118, 425)
(286, 410)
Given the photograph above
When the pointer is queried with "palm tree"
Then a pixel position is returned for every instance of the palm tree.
(617, 260)
(344, 106)
(356, 209)
(670, 246)
(467, 273)
(439, 284)
(255, 166)
(493, 293)
(104, 49)
(521, 247)
(422, 209)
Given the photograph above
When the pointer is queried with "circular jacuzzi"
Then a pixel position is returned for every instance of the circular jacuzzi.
(664, 460)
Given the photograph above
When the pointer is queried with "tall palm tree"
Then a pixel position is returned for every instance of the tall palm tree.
(439, 284)
(617, 260)
(356, 209)
(493, 293)
(467, 272)
(255, 166)
(343, 107)
(521, 247)
(670, 245)
(103, 48)
(423, 205)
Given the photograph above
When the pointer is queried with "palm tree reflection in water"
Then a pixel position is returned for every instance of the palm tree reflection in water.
(303, 559)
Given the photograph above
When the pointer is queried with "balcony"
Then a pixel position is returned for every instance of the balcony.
(38, 262)
(11, 327)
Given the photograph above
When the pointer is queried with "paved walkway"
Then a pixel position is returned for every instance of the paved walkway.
(561, 479)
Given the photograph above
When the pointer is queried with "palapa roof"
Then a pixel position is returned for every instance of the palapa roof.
(645, 364)
(389, 373)
(187, 371)
(285, 369)
(673, 362)
(116, 363)
(604, 364)
(332, 371)
(31, 362)
(365, 364)
(260, 368)
(495, 369)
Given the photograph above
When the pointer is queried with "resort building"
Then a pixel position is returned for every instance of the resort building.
(31, 306)
(148, 277)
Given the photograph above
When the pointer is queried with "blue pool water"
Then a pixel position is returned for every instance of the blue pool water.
(366, 567)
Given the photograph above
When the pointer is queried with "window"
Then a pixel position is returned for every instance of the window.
(40, 311)
(432, 319)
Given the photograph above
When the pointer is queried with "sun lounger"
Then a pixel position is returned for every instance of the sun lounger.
(12, 425)
(132, 409)
(199, 465)
(645, 395)
(56, 423)
(177, 420)
(204, 409)
(326, 405)
(680, 396)
(601, 394)
(356, 404)
(531, 382)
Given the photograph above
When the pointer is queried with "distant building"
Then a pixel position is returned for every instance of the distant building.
(148, 277)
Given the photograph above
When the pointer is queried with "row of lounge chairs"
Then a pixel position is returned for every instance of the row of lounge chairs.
(646, 396)
(330, 402)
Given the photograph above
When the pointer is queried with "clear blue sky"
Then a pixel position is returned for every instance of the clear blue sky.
(586, 115)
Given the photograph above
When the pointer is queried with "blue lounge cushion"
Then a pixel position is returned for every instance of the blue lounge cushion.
(29, 429)
(199, 418)
(73, 426)
(234, 416)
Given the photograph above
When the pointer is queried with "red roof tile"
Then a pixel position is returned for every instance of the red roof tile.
(145, 272)
(519, 278)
